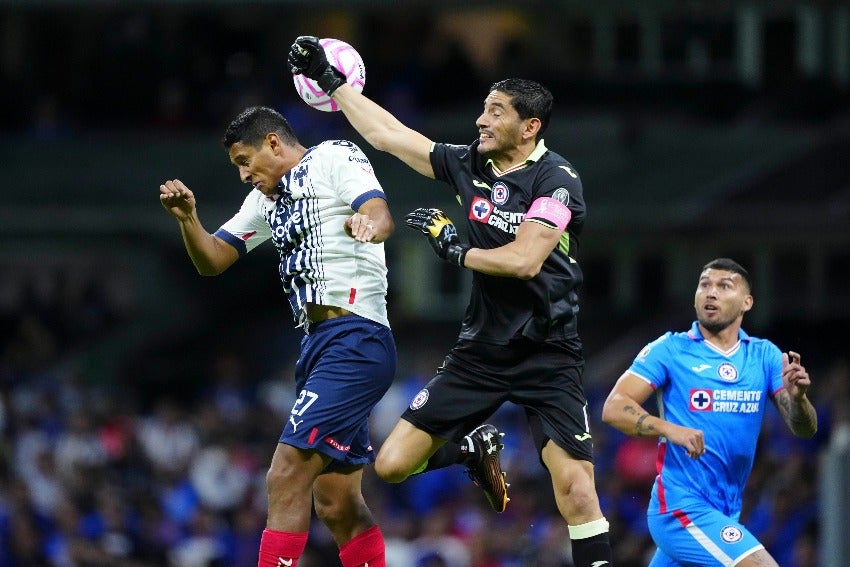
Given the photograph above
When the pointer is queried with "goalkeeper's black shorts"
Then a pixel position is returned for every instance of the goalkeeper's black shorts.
(477, 378)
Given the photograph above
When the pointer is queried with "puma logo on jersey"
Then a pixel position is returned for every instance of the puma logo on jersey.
(599, 563)
(281, 562)
(582, 437)
(700, 368)
(481, 184)
(294, 424)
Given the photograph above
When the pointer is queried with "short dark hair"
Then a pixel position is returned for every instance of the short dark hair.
(529, 98)
(729, 265)
(254, 124)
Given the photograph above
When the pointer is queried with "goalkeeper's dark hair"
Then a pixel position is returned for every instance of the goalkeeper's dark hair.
(529, 98)
(729, 265)
(254, 123)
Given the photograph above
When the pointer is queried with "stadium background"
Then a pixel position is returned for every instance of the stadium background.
(140, 402)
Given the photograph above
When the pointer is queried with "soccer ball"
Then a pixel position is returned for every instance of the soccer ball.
(345, 58)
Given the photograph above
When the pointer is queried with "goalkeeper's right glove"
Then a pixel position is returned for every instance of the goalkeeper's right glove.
(441, 234)
(307, 57)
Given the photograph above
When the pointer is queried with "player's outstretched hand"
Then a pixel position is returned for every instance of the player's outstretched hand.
(441, 234)
(794, 375)
(307, 57)
(177, 199)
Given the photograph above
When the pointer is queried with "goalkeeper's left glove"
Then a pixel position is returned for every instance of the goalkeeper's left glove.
(441, 234)
(307, 57)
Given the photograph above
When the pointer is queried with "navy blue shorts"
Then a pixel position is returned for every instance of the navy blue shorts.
(346, 366)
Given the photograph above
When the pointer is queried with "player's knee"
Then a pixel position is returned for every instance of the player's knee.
(581, 496)
(576, 493)
(390, 469)
(329, 512)
(276, 479)
(343, 517)
(284, 476)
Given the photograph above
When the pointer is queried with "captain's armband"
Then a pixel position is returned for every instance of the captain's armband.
(551, 211)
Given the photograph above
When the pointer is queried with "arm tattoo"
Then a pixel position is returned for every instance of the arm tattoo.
(800, 416)
(642, 430)
(630, 410)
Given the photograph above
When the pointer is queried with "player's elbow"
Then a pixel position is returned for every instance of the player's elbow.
(806, 431)
(527, 270)
(385, 140)
(384, 233)
(213, 260)
(209, 269)
(608, 412)
(612, 411)
(380, 141)
(389, 228)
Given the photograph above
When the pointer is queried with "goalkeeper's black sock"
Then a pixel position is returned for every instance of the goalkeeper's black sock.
(590, 544)
(449, 454)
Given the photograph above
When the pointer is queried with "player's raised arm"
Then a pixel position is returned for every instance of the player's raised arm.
(210, 254)
(380, 128)
(792, 402)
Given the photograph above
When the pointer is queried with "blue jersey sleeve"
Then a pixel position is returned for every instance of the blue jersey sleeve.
(651, 362)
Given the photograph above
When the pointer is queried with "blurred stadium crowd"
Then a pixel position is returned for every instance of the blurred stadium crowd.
(137, 471)
(105, 474)
(173, 66)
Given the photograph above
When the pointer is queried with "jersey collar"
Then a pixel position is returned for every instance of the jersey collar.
(695, 334)
(534, 156)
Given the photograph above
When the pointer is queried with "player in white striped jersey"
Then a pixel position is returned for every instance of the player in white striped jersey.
(327, 215)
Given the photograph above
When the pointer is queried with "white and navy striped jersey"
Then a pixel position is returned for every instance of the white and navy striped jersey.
(319, 262)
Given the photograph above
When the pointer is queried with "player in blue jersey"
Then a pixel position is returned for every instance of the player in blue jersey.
(326, 213)
(518, 342)
(712, 384)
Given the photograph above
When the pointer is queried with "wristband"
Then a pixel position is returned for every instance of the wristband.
(330, 80)
(456, 254)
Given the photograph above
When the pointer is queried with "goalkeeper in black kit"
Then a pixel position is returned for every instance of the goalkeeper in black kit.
(519, 340)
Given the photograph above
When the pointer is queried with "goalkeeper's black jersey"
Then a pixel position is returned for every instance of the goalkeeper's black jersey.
(502, 308)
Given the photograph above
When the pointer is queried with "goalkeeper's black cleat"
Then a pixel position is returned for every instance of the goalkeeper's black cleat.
(484, 444)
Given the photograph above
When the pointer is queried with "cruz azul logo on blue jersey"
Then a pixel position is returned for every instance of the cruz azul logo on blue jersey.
(727, 372)
(731, 534)
(725, 401)
(500, 193)
(483, 211)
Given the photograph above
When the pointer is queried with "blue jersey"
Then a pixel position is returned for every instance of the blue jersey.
(724, 394)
